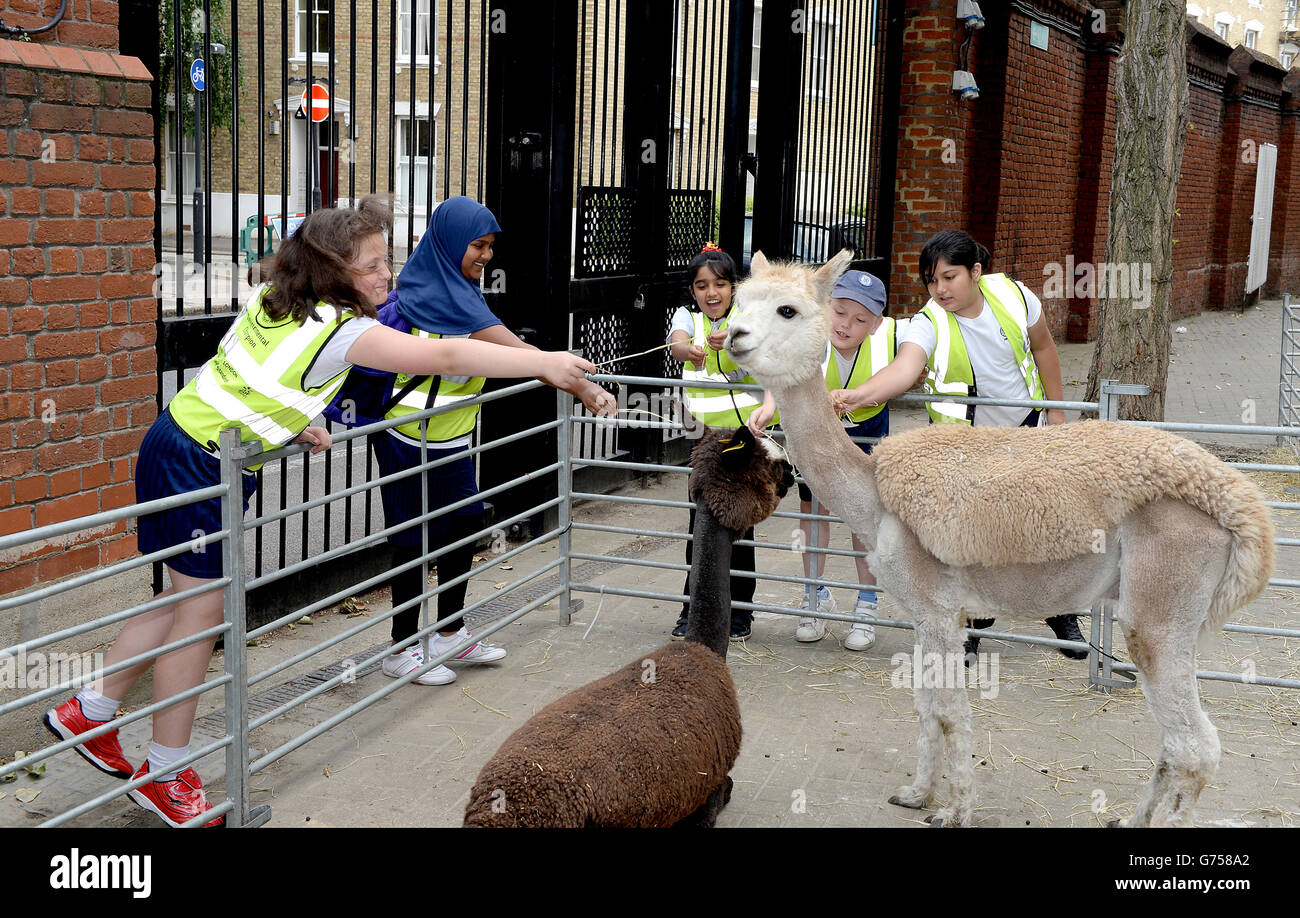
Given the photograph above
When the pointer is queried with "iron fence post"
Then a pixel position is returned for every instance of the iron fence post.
(232, 563)
(564, 447)
(1284, 397)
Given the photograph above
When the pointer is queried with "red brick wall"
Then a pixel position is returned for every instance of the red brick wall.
(1284, 254)
(932, 145)
(77, 314)
(1034, 225)
(85, 23)
(1031, 179)
(1196, 229)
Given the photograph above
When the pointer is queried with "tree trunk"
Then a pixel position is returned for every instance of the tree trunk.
(1134, 287)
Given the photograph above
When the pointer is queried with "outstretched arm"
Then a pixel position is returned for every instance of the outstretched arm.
(1049, 366)
(595, 398)
(761, 416)
(384, 348)
(894, 379)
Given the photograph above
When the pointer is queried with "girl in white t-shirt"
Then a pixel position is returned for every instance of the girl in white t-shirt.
(983, 306)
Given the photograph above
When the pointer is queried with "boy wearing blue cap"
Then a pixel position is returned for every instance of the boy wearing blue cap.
(863, 341)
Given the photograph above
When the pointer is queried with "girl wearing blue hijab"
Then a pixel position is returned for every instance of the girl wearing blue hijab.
(438, 295)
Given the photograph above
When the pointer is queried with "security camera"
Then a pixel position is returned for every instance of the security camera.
(969, 14)
(963, 83)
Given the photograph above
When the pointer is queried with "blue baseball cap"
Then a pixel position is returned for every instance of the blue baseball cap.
(863, 288)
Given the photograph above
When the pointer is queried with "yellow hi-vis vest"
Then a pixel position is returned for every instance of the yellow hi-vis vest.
(950, 370)
(718, 407)
(255, 382)
(873, 355)
(450, 425)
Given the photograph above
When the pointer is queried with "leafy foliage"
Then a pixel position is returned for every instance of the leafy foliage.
(219, 67)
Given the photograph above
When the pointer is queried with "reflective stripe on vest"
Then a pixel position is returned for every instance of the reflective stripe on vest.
(450, 425)
(950, 367)
(880, 353)
(255, 380)
(718, 407)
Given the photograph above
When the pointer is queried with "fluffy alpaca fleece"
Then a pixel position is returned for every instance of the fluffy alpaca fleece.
(624, 751)
(652, 744)
(737, 496)
(1002, 496)
(1175, 539)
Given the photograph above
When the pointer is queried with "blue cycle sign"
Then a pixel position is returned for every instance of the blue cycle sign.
(196, 74)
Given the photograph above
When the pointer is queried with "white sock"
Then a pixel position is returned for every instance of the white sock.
(95, 706)
(161, 759)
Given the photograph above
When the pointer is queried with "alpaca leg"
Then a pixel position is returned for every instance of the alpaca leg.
(953, 714)
(1189, 744)
(934, 709)
(707, 815)
(1174, 559)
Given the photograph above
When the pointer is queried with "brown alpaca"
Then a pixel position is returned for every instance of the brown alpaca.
(962, 521)
(650, 745)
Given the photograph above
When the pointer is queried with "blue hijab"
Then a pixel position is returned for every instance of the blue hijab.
(432, 294)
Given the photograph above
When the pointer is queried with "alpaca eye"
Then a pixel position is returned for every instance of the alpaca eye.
(786, 312)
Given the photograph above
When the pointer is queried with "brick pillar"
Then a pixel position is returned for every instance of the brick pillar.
(1096, 163)
(77, 312)
(1284, 243)
(932, 139)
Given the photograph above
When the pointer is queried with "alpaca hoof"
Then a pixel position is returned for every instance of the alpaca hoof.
(946, 818)
(909, 797)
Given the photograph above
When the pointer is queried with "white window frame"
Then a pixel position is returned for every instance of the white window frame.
(1252, 39)
(1287, 59)
(1290, 14)
(755, 45)
(1222, 26)
(402, 117)
(402, 31)
(189, 165)
(319, 8)
(822, 23)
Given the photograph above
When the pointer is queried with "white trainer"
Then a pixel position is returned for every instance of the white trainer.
(476, 652)
(398, 665)
(861, 635)
(814, 629)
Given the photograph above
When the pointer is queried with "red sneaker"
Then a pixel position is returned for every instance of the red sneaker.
(178, 801)
(104, 751)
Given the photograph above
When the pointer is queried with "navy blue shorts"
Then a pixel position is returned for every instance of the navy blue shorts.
(447, 484)
(171, 463)
(877, 426)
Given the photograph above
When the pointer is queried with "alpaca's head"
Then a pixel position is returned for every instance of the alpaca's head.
(740, 478)
(780, 336)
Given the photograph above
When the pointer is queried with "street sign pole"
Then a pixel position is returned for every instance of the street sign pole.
(198, 79)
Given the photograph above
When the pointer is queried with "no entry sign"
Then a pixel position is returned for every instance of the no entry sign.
(320, 102)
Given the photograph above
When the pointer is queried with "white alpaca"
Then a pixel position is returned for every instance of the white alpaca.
(985, 522)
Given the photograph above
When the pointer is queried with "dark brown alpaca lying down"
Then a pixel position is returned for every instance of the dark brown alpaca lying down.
(650, 745)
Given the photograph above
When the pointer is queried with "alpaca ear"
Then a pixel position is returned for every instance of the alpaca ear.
(829, 273)
(758, 263)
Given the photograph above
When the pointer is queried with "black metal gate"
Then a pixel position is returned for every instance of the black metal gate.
(611, 139)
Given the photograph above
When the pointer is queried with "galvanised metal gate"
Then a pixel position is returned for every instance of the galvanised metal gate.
(611, 139)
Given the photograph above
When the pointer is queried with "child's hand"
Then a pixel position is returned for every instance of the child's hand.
(759, 418)
(846, 401)
(1055, 416)
(319, 437)
(695, 354)
(717, 340)
(564, 370)
(599, 402)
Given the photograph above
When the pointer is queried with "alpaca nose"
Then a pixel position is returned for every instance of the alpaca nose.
(734, 334)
